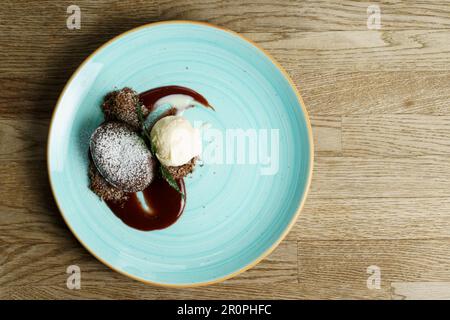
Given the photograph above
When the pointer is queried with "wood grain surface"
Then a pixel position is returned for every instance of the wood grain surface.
(379, 106)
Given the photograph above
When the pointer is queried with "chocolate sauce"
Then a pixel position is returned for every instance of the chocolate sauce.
(163, 204)
(150, 97)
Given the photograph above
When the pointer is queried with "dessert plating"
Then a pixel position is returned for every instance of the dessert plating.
(137, 165)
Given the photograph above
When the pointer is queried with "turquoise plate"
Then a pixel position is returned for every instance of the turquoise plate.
(238, 209)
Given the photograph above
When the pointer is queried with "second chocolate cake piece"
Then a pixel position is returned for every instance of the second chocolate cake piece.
(122, 104)
(182, 171)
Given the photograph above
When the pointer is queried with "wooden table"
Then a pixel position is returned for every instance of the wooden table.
(379, 105)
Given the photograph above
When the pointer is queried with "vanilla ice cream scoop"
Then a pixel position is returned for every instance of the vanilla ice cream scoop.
(175, 141)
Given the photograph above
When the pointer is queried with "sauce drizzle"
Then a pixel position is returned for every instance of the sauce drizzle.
(163, 206)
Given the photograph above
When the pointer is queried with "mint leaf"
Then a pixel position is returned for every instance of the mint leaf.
(144, 133)
(152, 149)
(170, 179)
(140, 114)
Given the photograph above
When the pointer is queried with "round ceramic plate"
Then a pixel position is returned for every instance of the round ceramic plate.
(240, 204)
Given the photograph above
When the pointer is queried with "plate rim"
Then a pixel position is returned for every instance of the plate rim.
(300, 206)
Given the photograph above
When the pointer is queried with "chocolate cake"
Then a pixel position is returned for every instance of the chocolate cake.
(103, 189)
(122, 157)
(121, 105)
(182, 171)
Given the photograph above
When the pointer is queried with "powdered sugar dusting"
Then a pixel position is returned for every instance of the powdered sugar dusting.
(122, 157)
